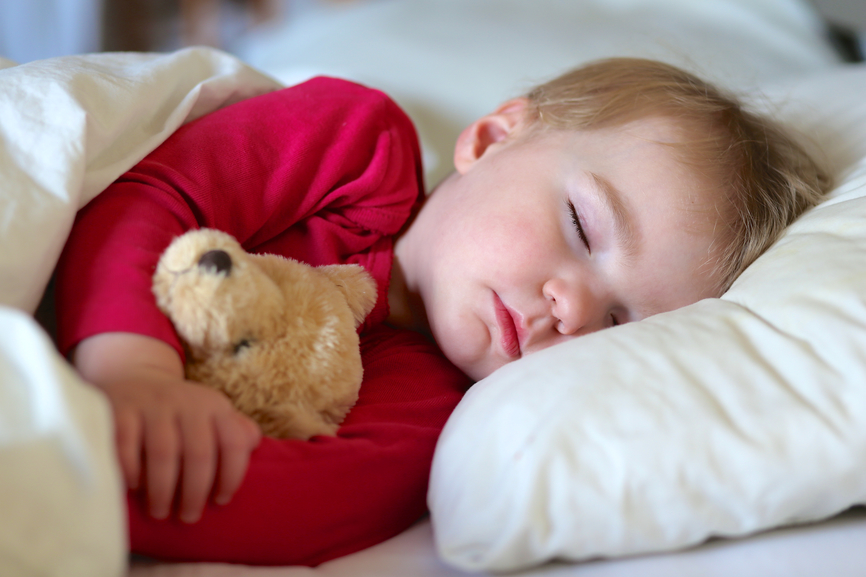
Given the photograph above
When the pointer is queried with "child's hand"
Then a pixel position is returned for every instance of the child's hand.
(182, 430)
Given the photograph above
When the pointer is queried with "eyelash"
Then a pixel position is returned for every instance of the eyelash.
(575, 219)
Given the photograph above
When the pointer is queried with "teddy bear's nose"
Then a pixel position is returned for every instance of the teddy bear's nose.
(216, 261)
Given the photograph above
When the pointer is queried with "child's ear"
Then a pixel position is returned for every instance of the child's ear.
(475, 139)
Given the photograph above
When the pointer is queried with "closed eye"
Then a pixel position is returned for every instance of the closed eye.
(575, 219)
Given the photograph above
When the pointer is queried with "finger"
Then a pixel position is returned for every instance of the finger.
(253, 431)
(238, 436)
(199, 466)
(127, 435)
(162, 453)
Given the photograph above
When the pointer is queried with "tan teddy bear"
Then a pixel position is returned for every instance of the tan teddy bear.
(276, 335)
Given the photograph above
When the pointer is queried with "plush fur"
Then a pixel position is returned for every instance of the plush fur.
(276, 335)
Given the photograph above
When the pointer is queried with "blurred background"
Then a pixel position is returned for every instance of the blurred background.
(37, 29)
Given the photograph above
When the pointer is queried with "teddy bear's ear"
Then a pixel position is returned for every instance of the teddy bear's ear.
(356, 284)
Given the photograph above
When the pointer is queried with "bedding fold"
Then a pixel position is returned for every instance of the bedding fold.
(68, 127)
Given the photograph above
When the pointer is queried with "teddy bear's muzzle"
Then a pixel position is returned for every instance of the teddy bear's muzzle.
(216, 261)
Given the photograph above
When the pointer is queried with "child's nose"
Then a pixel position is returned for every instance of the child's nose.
(576, 307)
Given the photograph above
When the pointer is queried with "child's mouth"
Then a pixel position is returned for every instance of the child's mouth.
(509, 339)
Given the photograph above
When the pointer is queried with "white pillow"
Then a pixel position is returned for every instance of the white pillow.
(728, 417)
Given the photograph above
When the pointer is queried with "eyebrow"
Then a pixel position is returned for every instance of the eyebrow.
(612, 199)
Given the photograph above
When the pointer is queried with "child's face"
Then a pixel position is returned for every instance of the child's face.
(504, 269)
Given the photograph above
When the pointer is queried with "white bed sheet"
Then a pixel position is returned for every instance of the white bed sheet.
(830, 549)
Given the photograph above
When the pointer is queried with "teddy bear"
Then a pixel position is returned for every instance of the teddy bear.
(277, 336)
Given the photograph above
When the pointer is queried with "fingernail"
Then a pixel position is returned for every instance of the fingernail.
(159, 514)
(189, 518)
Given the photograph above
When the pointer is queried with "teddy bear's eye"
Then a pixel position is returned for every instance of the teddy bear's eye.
(242, 344)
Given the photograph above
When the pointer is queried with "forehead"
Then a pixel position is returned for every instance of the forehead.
(650, 162)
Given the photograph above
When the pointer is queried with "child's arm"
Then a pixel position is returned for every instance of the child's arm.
(324, 172)
(181, 429)
(305, 502)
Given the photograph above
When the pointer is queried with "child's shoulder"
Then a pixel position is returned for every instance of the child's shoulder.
(327, 92)
(332, 87)
(325, 103)
(338, 94)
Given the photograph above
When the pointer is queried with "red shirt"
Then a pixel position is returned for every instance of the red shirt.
(325, 172)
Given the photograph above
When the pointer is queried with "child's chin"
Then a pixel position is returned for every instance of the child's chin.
(480, 370)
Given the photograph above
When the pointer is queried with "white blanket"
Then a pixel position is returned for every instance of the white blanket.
(68, 128)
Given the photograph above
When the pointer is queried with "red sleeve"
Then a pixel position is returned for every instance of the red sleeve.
(325, 172)
(303, 503)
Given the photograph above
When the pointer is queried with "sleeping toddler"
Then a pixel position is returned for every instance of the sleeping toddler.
(620, 190)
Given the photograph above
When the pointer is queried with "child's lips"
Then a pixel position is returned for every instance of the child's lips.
(509, 334)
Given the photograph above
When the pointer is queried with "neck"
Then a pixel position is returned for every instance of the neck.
(406, 307)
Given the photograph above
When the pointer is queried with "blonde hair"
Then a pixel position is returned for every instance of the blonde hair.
(767, 177)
